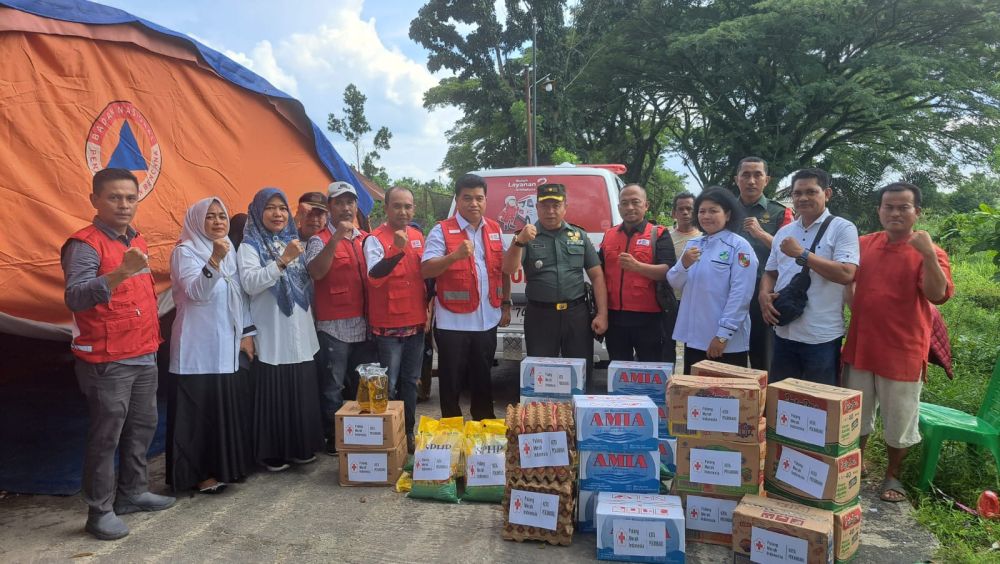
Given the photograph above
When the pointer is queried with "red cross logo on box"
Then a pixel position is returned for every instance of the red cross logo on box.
(527, 449)
(354, 467)
(472, 471)
(784, 419)
(786, 465)
(350, 431)
(694, 513)
(697, 465)
(517, 503)
(621, 537)
(760, 546)
(694, 413)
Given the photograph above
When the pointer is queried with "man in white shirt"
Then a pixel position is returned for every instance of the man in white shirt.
(465, 254)
(808, 348)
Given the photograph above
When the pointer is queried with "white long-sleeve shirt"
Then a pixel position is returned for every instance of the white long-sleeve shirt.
(280, 339)
(203, 339)
(717, 289)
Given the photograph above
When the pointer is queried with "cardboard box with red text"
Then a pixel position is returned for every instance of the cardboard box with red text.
(812, 478)
(369, 431)
(372, 467)
(729, 409)
(722, 370)
(772, 530)
(719, 467)
(813, 416)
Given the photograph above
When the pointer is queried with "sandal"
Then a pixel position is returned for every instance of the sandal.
(889, 486)
(213, 488)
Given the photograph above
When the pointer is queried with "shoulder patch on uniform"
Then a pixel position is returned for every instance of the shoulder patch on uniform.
(743, 259)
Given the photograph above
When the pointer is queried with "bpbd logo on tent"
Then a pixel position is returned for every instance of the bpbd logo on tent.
(121, 137)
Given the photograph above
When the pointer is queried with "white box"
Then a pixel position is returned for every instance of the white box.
(545, 377)
(642, 530)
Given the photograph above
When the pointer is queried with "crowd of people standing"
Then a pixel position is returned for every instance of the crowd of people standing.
(274, 316)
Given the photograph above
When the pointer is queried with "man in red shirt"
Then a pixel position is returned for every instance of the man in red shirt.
(902, 273)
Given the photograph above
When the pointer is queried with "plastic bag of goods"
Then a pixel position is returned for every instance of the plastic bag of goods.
(373, 388)
(485, 458)
(437, 461)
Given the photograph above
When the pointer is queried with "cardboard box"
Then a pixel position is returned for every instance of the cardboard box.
(709, 518)
(586, 505)
(625, 472)
(538, 510)
(813, 416)
(639, 379)
(846, 530)
(722, 408)
(372, 467)
(714, 466)
(722, 370)
(544, 377)
(668, 454)
(616, 423)
(645, 530)
(369, 431)
(810, 477)
(772, 530)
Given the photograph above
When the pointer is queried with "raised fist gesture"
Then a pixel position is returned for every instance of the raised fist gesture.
(399, 239)
(463, 251)
(134, 261)
(527, 234)
(292, 251)
(344, 229)
(220, 248)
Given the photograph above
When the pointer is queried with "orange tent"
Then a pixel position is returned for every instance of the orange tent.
(85, 86)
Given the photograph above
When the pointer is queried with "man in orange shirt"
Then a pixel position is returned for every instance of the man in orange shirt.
(902, 273)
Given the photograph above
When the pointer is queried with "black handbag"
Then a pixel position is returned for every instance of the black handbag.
(791, 300)
(665, 297)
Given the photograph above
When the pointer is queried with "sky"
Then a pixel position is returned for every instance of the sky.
(312, 49)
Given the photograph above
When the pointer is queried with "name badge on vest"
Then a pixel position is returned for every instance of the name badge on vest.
(454, 231)
(494, 236)
(642, 242)
(415, 243)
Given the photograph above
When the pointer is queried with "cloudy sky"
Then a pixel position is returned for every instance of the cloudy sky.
(312, 49)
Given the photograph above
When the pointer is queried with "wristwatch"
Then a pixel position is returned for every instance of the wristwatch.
(723, 340)
(506, 303)
(802, 259)
(519, 244)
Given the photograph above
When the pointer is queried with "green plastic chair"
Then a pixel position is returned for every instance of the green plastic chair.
(939, 424)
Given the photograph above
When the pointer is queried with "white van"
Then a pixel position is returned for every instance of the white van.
(591, 203)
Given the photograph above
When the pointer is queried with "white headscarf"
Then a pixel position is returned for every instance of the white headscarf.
(193, 237)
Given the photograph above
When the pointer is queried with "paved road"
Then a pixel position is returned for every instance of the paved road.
(303, 516)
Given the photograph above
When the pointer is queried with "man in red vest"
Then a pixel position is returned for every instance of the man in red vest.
(336, 262)
(116, 333)
(635, 254)
(464, 254)
(397, 299)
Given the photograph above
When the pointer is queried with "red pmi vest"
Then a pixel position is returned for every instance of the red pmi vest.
(127, 326)
(629, 291)
(457, 288)
(399, 299)
(341, 293)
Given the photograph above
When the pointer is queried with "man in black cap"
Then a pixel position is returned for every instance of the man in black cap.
(310, 217)
(554, 255)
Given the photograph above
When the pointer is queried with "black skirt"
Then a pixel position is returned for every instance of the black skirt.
(286, 413)
(207, 428)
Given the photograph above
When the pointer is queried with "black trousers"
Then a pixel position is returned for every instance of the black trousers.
(761, 335)
(466, 356)
(692, 356)
(642, 342)
(668, 320)
(560, 333)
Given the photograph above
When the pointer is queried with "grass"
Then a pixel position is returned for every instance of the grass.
(973, 318)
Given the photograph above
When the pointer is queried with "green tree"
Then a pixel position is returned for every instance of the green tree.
(978, 189)
(791, 80)
(354, 127)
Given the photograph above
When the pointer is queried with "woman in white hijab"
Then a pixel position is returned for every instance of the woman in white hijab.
(208, 443)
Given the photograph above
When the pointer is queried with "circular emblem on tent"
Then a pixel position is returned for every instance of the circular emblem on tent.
(121, 137)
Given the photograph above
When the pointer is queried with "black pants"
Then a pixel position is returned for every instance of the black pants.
(466, 356)
(642, 342)
(560, 333)
(668, 320)
(761, 335)
(692, 356)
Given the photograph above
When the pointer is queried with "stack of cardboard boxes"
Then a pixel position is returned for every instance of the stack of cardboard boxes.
(718, 420)
(649, 379)
(371, 446)
(772, 530)
(546, 379)
(813, 432)
(618, 438)
(541, 458)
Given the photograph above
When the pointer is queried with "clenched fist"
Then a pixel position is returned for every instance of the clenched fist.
(690, 256)
(628, 262)
(292, 251)
(399, 239)
(921, 241)
(791, 247)
(752, 227)
(134, 261)
(220, 248)
(527, 234)
(344, 230)
(463, 251)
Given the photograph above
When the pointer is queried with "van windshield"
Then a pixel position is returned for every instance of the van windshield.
(511, 201)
